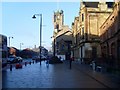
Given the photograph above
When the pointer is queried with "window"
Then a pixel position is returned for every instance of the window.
(58, 17)
(62, 48)
(113, 49)
(86, 36)
(82, 32)
(57, 26)
(76, 38)
(54, 18)
(82, 17)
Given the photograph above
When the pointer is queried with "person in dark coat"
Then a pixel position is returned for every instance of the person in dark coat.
(71, 59)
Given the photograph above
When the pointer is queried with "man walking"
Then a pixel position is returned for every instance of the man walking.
(71, 59)
(47, 62)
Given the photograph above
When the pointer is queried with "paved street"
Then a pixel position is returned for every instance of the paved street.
(54, 76)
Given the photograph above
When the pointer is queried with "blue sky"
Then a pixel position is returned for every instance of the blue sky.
(17, 21)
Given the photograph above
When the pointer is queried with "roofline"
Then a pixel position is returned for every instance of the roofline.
(63, 33)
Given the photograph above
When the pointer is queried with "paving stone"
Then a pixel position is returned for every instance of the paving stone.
(56, 76)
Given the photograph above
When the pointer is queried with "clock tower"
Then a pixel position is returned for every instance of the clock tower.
(58, 21)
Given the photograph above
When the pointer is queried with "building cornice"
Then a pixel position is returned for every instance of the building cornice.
(63, 34)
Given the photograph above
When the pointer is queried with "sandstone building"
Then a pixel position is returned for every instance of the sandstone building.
(110, 37)
(62, 36)
(86, 42)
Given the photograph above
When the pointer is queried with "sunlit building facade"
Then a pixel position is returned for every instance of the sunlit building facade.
(110, 37)
(62, 36)
(86, 29)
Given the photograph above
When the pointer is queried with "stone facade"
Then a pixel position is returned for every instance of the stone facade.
(3, 46)
(58, 21)
(110, 37)
(62, 37)
(76, 30)
(86, 29)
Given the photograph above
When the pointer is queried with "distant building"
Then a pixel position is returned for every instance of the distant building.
(3, 46)
(44, 51)
(3, 50)
(12, 51)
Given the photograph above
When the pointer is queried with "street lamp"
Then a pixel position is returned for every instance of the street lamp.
(34, 16)
(9, 40)
(53, 44)
(21, 45)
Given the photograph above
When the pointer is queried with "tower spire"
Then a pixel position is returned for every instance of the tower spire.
(81, 1)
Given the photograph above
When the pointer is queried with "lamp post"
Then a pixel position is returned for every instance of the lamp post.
(34, 16)
(21, 45)
(9, 40)
(53, 44)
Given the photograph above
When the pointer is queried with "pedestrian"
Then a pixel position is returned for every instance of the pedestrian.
(25, 63)
(70, 62)
(10, 67)
(60, 57)
(30, 62)
(47, 63)
(35, 61)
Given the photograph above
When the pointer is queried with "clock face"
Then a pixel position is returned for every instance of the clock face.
(58, 17)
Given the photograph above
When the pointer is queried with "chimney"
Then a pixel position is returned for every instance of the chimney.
(102, 5)
(102, 1)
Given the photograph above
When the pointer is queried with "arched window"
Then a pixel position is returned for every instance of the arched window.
(57, 26)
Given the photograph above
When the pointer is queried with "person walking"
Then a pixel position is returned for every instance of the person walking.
(71, 59)
(10, 67)
(47, 62)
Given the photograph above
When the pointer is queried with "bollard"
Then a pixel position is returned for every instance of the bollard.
(30, 63)
(25, 63)
(70, 64)
(10, 67)
(93, 65)
(33, 62)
